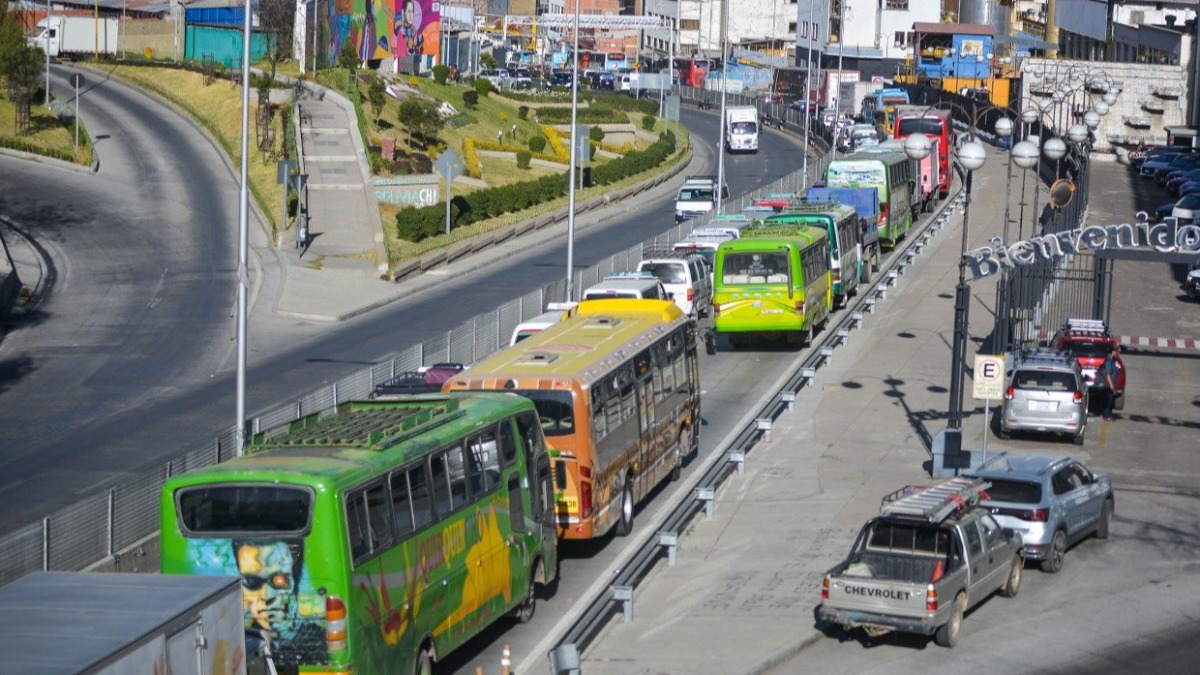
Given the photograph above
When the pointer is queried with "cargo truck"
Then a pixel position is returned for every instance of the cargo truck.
(741, 128)
(73, 36)
(93, 622)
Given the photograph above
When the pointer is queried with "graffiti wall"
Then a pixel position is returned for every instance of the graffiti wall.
(380, 29)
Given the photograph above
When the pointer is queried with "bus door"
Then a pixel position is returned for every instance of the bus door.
(651, 443)
(543, 497)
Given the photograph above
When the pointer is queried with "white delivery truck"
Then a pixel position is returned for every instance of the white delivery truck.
(93, 622)
(741, 128)
(75, 36)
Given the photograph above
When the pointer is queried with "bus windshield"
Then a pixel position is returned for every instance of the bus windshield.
(743, 128)
(919, 125)
(232, 509)
(754, 268)
(554, 409)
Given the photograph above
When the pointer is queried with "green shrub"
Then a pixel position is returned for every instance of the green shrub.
(590, 115)
(537, 143)
(523, 158)
(470, 98)
(596, 134)
(483, 86)
(648, 122)
(440, 73)
(523, 112)
(348, 57)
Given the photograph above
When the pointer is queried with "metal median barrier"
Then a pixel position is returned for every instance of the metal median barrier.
(115, 528)
(618, 597)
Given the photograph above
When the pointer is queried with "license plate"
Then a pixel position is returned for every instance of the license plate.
(571, 504)
(1043, 406)
(770, 311)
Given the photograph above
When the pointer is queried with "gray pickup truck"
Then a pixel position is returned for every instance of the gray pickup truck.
(918, 567)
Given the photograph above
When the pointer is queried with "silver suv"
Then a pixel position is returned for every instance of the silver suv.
(1052, 501)
(1046, 394)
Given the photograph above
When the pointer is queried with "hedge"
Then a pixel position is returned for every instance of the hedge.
(420, 223)
(592, 115)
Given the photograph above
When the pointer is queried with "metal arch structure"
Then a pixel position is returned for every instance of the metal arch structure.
(588, 21)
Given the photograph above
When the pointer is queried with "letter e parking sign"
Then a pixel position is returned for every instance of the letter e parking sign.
(989, 377)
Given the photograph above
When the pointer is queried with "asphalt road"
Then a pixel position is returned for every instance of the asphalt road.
(156, 378)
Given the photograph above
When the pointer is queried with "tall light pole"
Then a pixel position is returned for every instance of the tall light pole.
(807, 89)
(574, 146)
(243, 280)
(47, 53)
(837, 101)
(724, 94)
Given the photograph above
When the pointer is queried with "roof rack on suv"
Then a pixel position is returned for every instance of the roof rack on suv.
(1043, 355)
(650, 252)
(1096, 326)
(934, 503)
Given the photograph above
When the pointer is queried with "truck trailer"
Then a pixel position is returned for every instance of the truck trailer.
(109, 623)
(74, 36)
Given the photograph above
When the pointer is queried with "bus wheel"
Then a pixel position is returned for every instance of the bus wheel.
(625, 526)
(525, 610)
(424, 662)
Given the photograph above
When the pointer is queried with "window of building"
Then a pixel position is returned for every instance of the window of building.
(895, 4)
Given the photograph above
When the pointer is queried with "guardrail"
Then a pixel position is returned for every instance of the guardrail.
(617, 598)
(115, 527)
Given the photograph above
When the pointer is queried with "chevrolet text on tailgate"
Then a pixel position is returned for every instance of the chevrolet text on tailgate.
(918, 567)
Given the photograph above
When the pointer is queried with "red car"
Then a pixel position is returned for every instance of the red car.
(1089, 342)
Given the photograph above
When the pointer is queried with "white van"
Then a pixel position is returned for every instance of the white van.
(686, 276)
(556, 312)
(630, 285)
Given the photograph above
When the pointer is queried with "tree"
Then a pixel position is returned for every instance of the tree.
(21, 66)
(420, 118)
(348, 57)
(486, 60)
(276, 20)
(377, 96)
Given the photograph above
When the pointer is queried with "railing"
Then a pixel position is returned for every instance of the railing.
(105, 526)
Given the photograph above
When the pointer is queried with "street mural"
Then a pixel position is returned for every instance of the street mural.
(380, 29)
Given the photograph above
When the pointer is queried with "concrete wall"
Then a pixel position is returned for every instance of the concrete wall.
(1143, 87)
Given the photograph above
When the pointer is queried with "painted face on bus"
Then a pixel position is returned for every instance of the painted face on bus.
(269, 577)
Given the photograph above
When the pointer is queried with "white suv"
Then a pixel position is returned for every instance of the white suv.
(686, 277)
(499, 77)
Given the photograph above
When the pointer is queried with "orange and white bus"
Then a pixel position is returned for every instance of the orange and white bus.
(617, 389)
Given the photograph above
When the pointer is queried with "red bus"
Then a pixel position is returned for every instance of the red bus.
(934, 123)
(692, 71)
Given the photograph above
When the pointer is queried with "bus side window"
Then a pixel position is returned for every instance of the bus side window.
(441, 485)
(482, 465)
(369, 522)
(401, 505)
(418, 484)
(599, 421)
(508, 444)
(460, 488)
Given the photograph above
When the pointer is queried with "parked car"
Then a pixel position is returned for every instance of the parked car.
(497, 76)
(519, 78)
(1054, 502)
(1165, 210)
(1152, 153)
(1187, 208)
(560, 78)
(1175, 181)
(1046, 394)
(1089, 342)
(1163, 160)
(1181, 162)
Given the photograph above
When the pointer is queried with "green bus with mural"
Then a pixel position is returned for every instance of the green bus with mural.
(377, 537)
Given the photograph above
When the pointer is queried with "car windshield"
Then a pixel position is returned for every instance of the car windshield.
(1044, 380)
(1015, 491)
(892, 536)
(668, 273)
(695, 195)
(1087, 348)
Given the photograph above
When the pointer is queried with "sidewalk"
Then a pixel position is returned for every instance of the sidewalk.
(746, 583)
